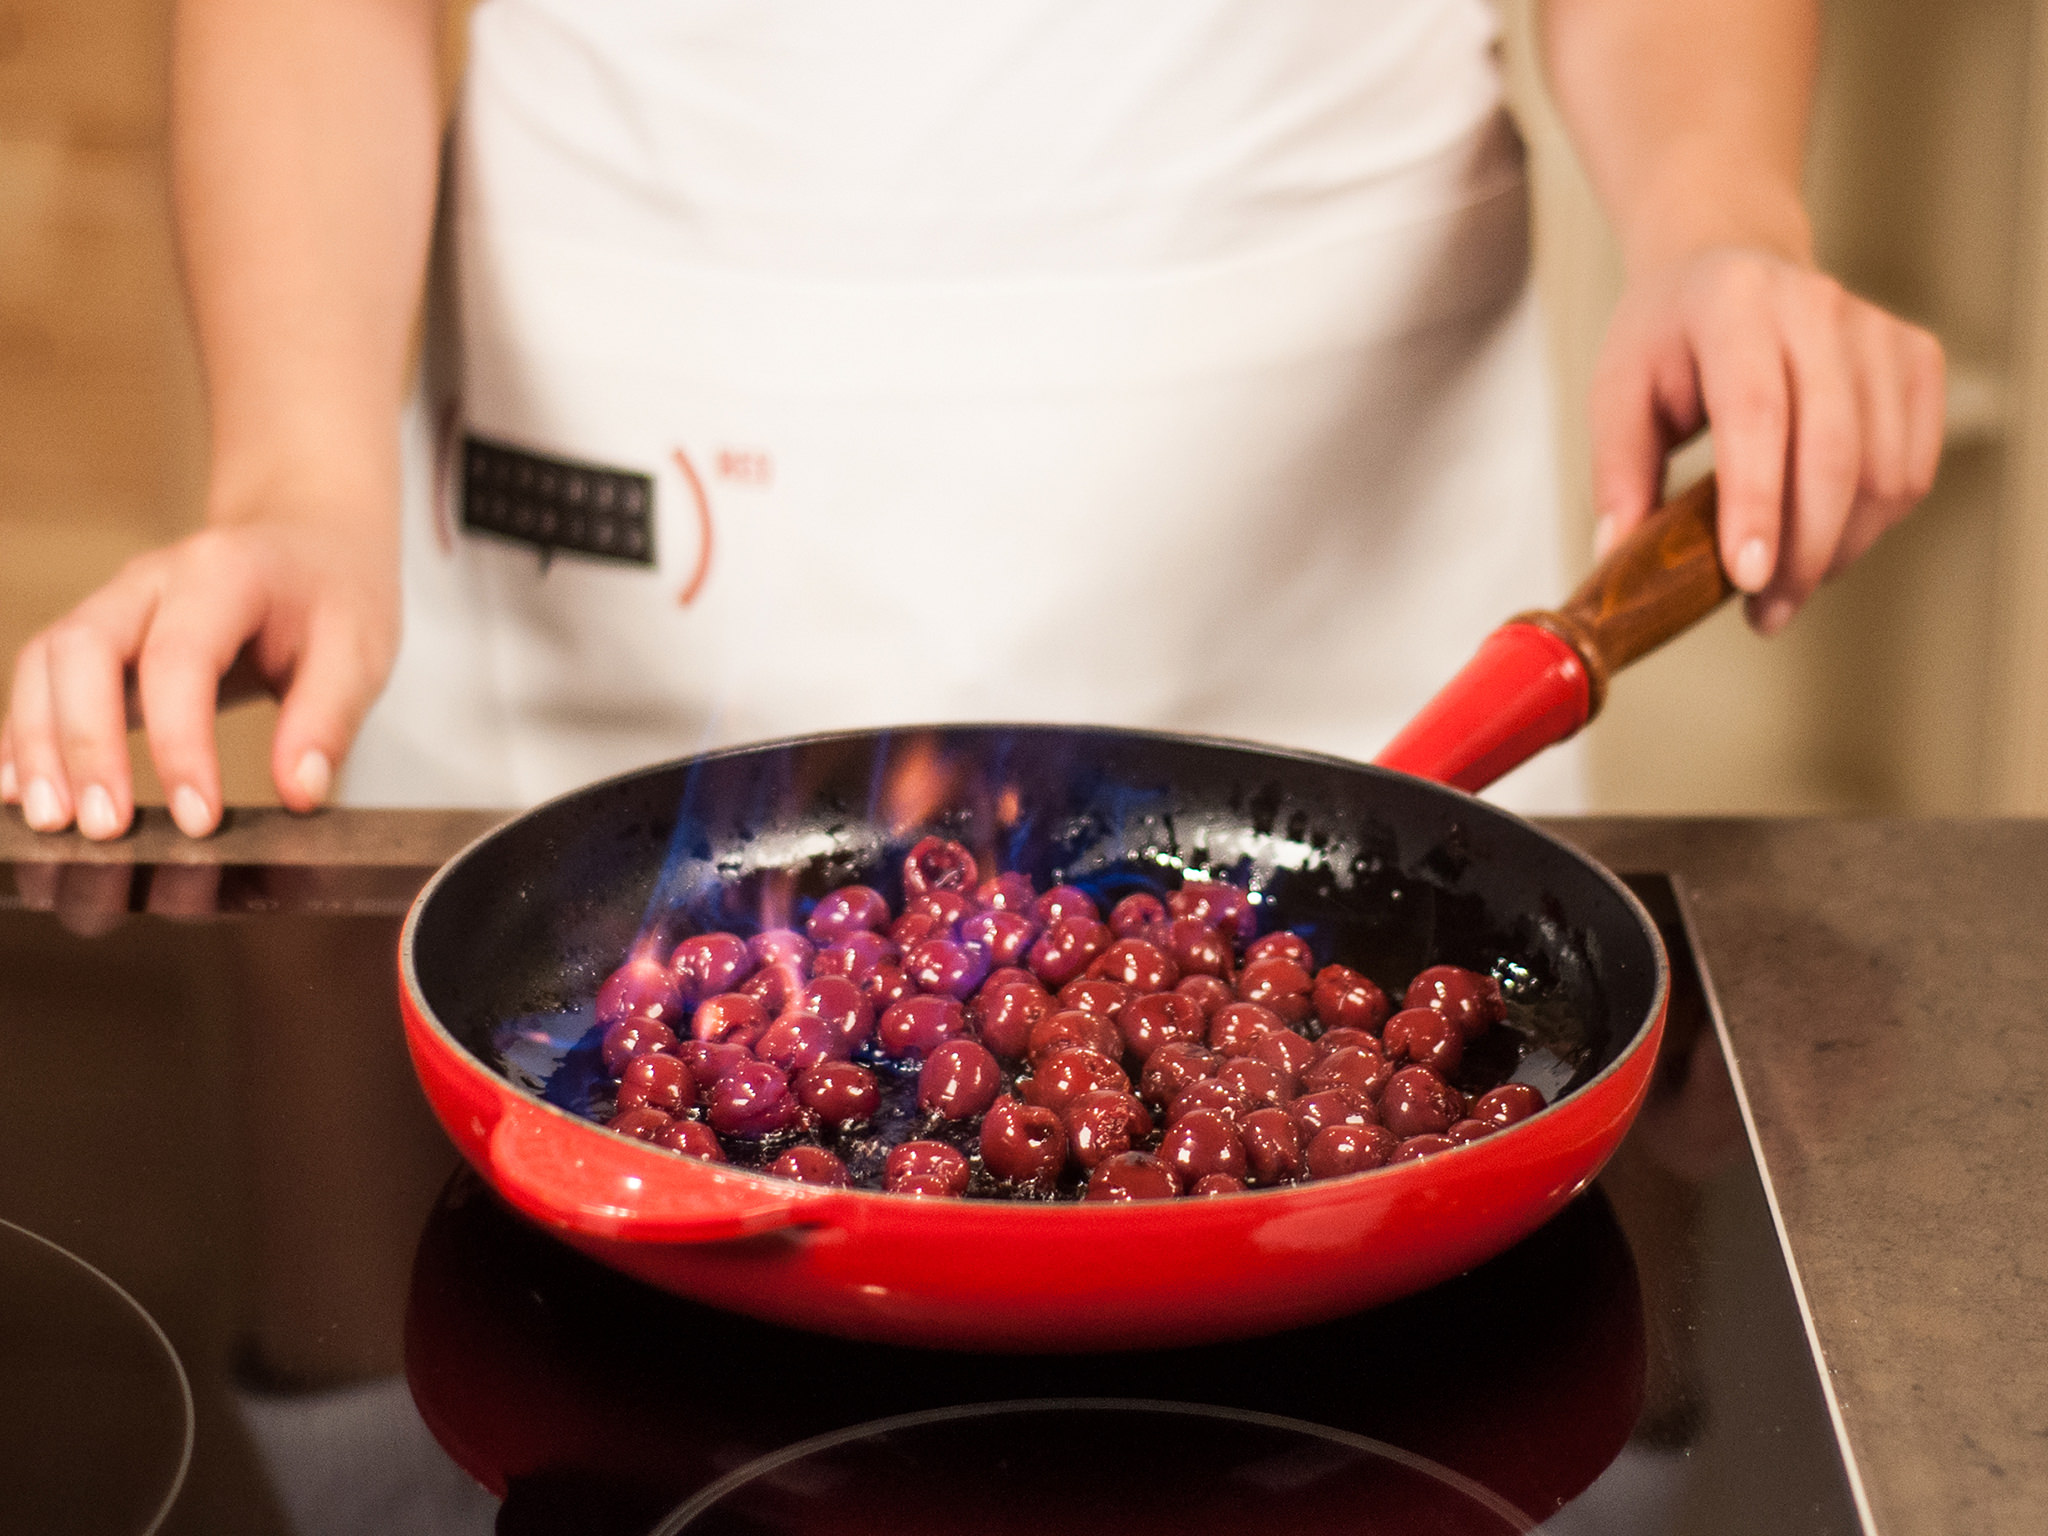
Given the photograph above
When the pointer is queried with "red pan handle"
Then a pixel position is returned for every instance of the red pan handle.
(1541, 676)
(554, 1170)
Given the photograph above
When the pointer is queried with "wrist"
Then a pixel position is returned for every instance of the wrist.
(1697, 201)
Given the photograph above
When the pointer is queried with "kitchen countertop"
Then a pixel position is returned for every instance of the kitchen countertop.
(1883, 982)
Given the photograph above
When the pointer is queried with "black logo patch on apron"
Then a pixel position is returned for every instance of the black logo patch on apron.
(557, 506)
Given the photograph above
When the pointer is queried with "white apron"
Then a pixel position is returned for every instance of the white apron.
(992, 408)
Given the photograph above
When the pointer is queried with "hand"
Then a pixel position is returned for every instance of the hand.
(308, 604)
(1827, 415)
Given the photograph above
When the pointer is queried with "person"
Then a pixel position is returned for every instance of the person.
(811, 365)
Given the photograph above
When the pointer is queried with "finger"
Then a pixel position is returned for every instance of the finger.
(1743, 382)
(10, 781)
(1926, 407)
(199, 628)
(45, 792)
(89, 656)
(92, 899)
(1884, 405)
(331, 689)
(1628, 449)
(1827, 448)
(184, 891)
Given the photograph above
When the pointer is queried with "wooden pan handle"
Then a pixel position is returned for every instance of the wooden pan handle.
(1659, 581)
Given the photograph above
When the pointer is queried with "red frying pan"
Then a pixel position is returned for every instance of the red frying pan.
(1381, 867)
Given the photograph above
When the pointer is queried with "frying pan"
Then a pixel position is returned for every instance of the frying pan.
(504, 949)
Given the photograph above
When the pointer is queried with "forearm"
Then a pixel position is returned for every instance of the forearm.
(1691, 118)
(304, 155)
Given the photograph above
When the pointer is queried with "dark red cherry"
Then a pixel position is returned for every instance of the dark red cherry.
(1315, 1112)
(776, 987)
(1098, 995)
(942, 966)
(693, 1138)
(938, 864)
(840, 1004)
(1280, 985)
(1416, 1102)
(1207, 1094)
(1070, 1029)
(811, 1165)
(1217, 1184)
(856, 956)
(1003, 975)
(1465, 1131)
(1203, 1142)
(782, 946)
(840, 1093)
(1348, 999)
(711, 963)
(1281, 945)
(849, 910)
(1175, 1067)
(1064, 901)
(1344, 1038)
(730, 1016)
(1236, 1028)
(918, 1025)
(1011, 891)
(1135, 913)
(1272, 1146)
(1023, 1143)
(926, 1168)
(1198, 949)
(1102, 1123)
(886, 984)
(752, 1099)
(644, 987)
(1005, 937)
(1131, 1176)
(1288, 1051)
(641, 1124)
(1341, 1149)
(959, 1080)
(1065, 1075)
(1208, 992)
(1138, 965)
(949, 909)
(799, 1040)
(708, 1063)
(1160, 1019)
(1508, 1104)
(1425, 1037)
(1066, 948)
(1358, 1068)
(1004, 1015)
(629, 1038)
(654, 1080)
(1223, 907)
(913, 928)
(1424, 1145)
(1260, 1086)
(1468, 999)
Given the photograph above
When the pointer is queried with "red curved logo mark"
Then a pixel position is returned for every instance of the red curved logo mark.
(696, 582)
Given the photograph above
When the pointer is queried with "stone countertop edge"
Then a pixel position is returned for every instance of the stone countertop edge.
(1885, 984)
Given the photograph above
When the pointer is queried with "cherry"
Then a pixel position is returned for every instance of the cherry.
(1508, 1104)
(1223, 907)
(1203, 1142)
(1071, 1028)
(1136, 913)
(1344, 1038)
(751, 1099)
(886, 984)
(811, 1165)
(1313, 1112)
(1259, 1085)
(926, 1168)
(918, 1025)
(730, 1016)
(708, 1063)
(1198, 949)
(1208, 992)
(1023, 1143)
(1417, 1102)
(776, 987)
(959, 1080)
(1131, 1176)
(1160, 1019)
(840, 1093)
(849, 910)
(1175, 1067)
(1465, 1131)
(1280, 985)
(1340, 1149)
(643, 987)
(1469, 999)
(1103, 1123)
(938, 864)
(711, 963)
(913, 928)
(1272, 1146)
(1065, 1075)
(942, 966)
(1217, 1184)
(1097, 995)
(629, 1038)
(799, 1040)
(642, 1124)
(1005, 937)
(856, 956)
(1424, 1145)
(782, 946)
(653, 1080)
(693, 1138)
(840, 1004)
(1361, 1069)
(1281, 945)
(1207, 1094)
(1236, 1028)
(1141, 966)
(1066, 948)
(1064, 901)
(1287, 1050)
(949, 909)
(1011, 891)
(1348, 999)
(1425, 1037)
(1003, 975)
(1006, 1014)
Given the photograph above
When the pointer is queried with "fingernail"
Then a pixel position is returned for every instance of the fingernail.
(10, 785)
(40, 809)
(96, 812)
(1774, 615)
(188, 810)
(1603, 536)
(316, 776)
(1752, 566)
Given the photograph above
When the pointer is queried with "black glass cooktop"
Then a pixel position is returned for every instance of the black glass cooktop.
(245, 1288)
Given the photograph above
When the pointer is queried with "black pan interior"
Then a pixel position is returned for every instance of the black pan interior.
(1377, 870)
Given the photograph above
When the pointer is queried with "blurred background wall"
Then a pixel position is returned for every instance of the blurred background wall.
(1908, 686)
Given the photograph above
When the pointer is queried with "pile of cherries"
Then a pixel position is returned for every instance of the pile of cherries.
(993, 1039)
